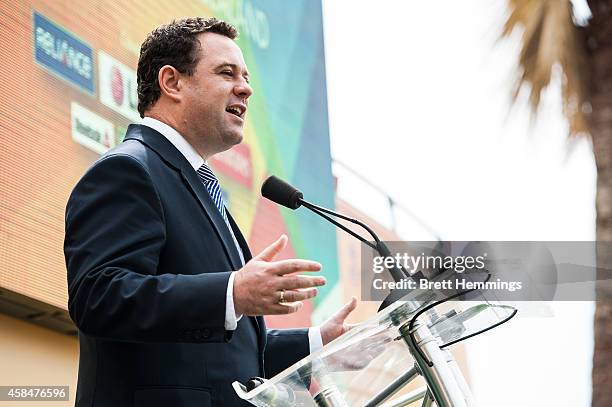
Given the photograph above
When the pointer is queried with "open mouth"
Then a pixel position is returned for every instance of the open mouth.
(237, 110)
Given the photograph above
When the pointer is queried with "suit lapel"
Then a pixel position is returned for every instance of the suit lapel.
(246, 252)
(174, 158)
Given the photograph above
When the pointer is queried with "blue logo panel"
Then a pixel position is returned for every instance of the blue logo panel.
(63, 53)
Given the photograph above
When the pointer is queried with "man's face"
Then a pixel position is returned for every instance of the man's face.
(216, 96)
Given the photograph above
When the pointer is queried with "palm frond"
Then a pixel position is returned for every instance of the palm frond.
(550, 39)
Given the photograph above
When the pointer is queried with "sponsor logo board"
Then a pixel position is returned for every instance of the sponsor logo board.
(90, 130)
(63, 53)
(117, 86)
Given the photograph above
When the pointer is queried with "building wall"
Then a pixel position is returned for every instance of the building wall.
(31, 355)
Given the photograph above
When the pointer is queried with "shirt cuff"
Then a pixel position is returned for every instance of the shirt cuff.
(315, 341)
(231, 319)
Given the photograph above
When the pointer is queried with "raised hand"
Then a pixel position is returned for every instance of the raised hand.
(266, 287)
(335, 325)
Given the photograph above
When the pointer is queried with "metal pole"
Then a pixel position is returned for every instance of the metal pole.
(330, 396)
(432, 364)
(407, 399)
(465, 389)
(392, 388)
(427, 400)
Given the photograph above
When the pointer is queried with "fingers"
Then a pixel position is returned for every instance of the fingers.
(294, 295)
(274, 249)
(346, 310)
(264, 278)
(350, 326)
(283, 267)
(285, 308)
(296, 282)
(292, 302)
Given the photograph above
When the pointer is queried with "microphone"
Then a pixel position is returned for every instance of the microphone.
(285, 194)
(277, 190)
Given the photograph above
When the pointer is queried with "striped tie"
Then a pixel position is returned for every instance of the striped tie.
(212, 185)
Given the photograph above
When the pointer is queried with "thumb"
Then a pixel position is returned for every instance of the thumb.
(271, 251)
(346, 310)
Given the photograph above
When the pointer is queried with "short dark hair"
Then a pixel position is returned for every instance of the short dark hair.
(173, 44)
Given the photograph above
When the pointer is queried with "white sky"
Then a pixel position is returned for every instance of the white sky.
(419, 103)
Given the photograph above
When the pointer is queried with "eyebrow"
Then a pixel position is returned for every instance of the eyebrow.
(233, 66)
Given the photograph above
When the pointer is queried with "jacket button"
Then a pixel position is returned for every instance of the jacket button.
(206, 333)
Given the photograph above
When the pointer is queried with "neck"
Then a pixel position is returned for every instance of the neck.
(181, 127)
(166, 119)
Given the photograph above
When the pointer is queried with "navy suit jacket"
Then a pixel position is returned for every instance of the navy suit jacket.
(149, 257)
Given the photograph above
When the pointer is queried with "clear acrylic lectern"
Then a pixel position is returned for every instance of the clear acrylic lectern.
(373, 361)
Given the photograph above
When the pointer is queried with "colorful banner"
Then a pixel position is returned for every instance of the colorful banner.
(74, 93)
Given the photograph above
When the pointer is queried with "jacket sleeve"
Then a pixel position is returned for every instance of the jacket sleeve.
(284, 347)
(115, 231)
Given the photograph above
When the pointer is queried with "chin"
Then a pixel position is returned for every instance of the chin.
(235, 139)
(229, 142)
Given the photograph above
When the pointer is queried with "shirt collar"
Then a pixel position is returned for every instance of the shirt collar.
(176, 139)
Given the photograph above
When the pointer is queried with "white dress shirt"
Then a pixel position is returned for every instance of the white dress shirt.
(196, 161)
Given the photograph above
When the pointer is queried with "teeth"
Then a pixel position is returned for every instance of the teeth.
(234, 110)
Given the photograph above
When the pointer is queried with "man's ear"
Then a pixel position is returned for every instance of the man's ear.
(170, 83)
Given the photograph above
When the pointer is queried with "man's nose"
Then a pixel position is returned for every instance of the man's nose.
(243, 89)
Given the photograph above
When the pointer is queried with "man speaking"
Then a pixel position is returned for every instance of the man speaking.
(162, 286)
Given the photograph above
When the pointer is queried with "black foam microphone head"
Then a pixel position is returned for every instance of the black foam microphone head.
(277, 190)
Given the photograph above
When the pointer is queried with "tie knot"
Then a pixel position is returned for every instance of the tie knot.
(206, 174)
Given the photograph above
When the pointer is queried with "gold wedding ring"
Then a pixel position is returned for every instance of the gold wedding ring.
(282, 297)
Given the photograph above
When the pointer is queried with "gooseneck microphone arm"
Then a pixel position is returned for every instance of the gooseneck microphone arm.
(380, 246)
(285, 194)
(341, 216)
(323, 211)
